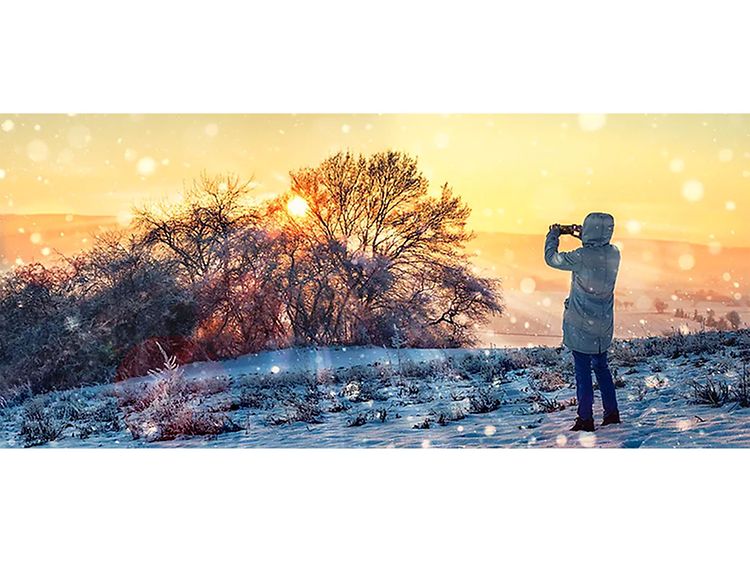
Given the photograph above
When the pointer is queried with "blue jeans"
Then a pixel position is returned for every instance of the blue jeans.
(584, 386)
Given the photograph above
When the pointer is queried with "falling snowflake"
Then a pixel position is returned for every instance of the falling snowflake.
(37, 150)
(528, 285)
(676, 165)
(692, 190)
(633, 226)
(146, 166)
(212, 129)
(124, 218)
(725, 155)
(686, 262)
(79, 136)
(7, 126)
(442, 140)
(591, 121)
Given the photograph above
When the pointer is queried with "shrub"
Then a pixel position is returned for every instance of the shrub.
(172, 407)
(740, 392)
(357, 420)
(711, 392)
(443, 416)
(38, 425)
(305, 409)
(424, 424)
(542, 404)
(483, 400)
(549, 381)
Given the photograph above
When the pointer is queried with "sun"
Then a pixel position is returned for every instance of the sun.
(297, 207)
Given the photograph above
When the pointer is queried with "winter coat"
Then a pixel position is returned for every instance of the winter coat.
(588, 320)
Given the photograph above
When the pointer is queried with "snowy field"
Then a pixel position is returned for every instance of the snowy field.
(681, 391)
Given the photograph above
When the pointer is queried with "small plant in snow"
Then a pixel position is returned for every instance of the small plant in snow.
(443, 416)
(711, 392)
(424, 424)
(172, 407)
(741, 391)
(38, 424)
(484, 400)
(304, 409)
(359, 419)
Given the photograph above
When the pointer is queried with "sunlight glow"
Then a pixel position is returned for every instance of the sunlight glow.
(297, 207)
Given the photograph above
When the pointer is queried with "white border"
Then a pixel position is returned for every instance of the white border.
(385, 56)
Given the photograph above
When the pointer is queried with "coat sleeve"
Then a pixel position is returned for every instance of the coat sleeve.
(567, 261)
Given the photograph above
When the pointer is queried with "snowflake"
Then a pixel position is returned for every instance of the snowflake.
(692, 190)
(591, 121)
(676, 165)
(212, 129)
(146, 166)
(37, 150)
(528, 285)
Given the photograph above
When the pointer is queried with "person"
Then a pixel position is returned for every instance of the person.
(588, 317)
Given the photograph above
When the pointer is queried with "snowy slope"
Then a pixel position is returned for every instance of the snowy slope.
(371, 397)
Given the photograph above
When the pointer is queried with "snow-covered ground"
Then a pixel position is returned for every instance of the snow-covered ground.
(373, 397)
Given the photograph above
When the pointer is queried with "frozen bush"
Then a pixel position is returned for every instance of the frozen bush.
(484, 400)
(38, 424)
(549, 381)
(740, 392)
(711, 392)
(446, 414)
(305, 409)
(172, 407)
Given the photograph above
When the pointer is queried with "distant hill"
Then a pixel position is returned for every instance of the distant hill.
(646, 264)
(650, 270)
(41, 238)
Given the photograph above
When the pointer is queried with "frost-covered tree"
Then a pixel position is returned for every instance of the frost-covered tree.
(375, 250)
(734, 319)
(225, 258)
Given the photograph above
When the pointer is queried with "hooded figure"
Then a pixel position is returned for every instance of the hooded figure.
(588, 320)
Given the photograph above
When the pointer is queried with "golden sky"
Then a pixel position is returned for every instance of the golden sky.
(679, 177)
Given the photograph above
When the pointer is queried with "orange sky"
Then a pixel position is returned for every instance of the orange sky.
(680, 177)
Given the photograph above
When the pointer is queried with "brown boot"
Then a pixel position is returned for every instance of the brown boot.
(614, 417)
(583, 425)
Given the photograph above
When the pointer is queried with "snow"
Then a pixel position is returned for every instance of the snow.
(146, 166)
(692, 191)
(591, 121)
(37, 150)
(428, 404)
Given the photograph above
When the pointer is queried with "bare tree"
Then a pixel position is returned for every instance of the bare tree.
(380, 251)
(734, 319)
(195, 232)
